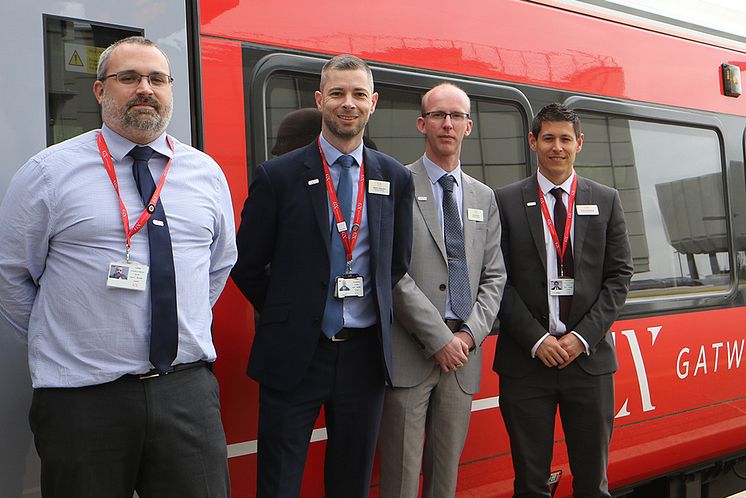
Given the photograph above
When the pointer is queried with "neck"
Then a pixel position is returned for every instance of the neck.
(343, 144)
(446, 163)
(140, 137)
(556, 178)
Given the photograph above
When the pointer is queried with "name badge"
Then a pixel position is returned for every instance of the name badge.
(379, 187)
(561, 287)
(349, 285)
(475, 214)
(313, 182)
(130, 276)
(586, 209)
(421, 198)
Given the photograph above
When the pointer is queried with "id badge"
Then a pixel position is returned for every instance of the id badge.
(349, 285)
(562, 287)
(124, 275)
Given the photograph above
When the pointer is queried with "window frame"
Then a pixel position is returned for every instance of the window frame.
(690, 119)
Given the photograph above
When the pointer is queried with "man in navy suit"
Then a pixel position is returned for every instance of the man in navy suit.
(325, 234)
(569, 266)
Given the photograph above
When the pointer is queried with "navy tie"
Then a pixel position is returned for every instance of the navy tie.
(333, 319)
(458, 273)
(567, 267)
(164, 324)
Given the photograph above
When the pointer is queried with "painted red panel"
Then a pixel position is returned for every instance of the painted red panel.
(508, 40)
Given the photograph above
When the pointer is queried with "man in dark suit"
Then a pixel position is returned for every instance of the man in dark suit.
(555, 348)
(325, 217)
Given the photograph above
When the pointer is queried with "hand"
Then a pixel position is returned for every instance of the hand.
(467, 338)
(453, 355)
(572, 345)
(552, 353)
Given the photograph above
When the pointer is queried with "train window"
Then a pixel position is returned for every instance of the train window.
(494, 153)
(669, 178)
(72, 48)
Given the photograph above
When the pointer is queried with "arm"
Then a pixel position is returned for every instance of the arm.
(255, 239)
(25, 216)
(223, 247)
(616, 274)
(402, 243)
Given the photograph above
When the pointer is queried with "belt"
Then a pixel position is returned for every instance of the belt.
(175, 368)
(348, 334)
(453, 324)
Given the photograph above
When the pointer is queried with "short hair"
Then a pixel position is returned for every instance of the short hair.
(345, 62)
(132, 40)
(555, 112)
(440, 85)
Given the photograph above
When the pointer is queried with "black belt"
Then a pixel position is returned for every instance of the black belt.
(175, 368)
(454, 325)
(348, 334)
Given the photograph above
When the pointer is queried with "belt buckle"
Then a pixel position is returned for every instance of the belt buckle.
(150, 375)
(334, 338)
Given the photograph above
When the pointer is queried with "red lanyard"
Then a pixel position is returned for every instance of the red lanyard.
(568, 220)
(347, 241)
(148, 211)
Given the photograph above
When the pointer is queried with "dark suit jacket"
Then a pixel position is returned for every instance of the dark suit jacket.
(603, 269)
(283, 256)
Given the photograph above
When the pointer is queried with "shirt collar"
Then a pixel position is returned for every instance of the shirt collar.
(434, 172)
(332, 154)
(119, 146)
(547, 185)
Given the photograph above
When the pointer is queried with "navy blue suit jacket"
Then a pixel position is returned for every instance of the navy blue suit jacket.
(283, 256)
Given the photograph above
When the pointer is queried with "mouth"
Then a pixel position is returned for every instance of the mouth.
(345, 117)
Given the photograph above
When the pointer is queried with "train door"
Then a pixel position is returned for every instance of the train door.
(50, 53)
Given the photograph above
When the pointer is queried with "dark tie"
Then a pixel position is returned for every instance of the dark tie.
(458, 274)
(164, 324)
(333, 318)
(567, 268)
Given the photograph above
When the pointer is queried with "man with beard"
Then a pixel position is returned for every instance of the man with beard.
(325, 234)
(106, 418)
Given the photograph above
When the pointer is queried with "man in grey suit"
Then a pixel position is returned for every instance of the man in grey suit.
(443, 308)
(569, 265)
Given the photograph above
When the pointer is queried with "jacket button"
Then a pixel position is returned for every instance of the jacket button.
(442, 287)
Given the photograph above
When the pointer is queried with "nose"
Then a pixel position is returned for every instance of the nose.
(143, 86)
(447, 122)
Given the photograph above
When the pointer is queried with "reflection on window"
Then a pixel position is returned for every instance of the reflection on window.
(72, 51)
(670, 181)
(494, 152)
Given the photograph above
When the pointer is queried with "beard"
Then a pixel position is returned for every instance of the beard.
(343, 132)
(138, 120)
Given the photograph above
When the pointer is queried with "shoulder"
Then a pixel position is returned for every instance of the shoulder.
(480, 188)
(73, 147)
(515, 188)
(195, 156)
(598, 189)
(389, 166)
(287, 164)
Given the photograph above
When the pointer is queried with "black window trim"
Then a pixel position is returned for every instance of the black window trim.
(692, 119)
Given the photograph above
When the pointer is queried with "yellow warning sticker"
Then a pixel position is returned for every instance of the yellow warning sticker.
(81, 58)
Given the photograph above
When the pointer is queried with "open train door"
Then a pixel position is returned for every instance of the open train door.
(50, 51)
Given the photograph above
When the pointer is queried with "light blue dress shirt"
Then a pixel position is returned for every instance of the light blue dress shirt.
(61, 228)
(358, 312)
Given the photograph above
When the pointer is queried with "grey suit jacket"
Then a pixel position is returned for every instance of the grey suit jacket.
(420, 296)
(603, 269)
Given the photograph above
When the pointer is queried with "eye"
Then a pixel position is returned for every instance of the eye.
(128, 77)
(159, 79)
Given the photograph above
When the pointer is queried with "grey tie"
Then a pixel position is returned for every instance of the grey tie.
(458, 273)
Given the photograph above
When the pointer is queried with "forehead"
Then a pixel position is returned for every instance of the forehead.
(557, 128)
(346, 78)
(142, 58)
(447, 98)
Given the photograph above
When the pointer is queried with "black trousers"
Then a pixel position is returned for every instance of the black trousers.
(161, 437)
(586, 406)
(347, 379)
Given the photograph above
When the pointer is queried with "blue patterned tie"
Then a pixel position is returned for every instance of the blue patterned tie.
(164, 324)
(333, 319)
(458, 273)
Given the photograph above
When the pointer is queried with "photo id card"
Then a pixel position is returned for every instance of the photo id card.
(561, 287)
(124, 275)
(349, 285)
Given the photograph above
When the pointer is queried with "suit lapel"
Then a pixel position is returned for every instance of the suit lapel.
(423, 191)
(534, 217)
(584, 195)
(373, 172)
(316, 188)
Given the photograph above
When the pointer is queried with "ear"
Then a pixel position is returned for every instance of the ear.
(469, 124)
(532, 141)
(374, 101)
(318, 96)
(421, 124)
(580, 143)
(98, 90)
